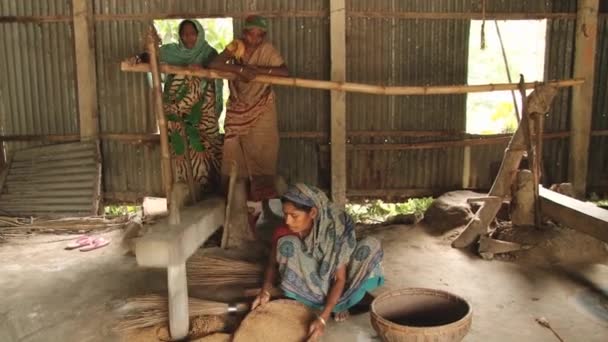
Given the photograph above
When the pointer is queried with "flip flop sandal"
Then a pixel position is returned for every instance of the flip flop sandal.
(80, 242)
(96, 243)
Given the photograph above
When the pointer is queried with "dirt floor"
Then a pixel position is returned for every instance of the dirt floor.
(50, 294)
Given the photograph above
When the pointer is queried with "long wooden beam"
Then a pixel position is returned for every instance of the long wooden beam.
(350, 86)
(582, 97)
(86, 78)
(474, 139)
(581, 216)
(338, 101)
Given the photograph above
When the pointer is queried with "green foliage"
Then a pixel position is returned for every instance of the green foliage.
(379, 211)
(595, 199)
(504, 119)
(120, 210)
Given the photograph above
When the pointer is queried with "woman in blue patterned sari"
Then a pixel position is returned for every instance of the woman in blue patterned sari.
(318, 259)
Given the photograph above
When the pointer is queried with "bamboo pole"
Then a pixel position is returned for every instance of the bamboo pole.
(348, 86)
(459, 15)
(467, 139)
(152, 42)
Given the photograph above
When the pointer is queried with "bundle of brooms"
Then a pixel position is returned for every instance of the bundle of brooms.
(150, 310)
(210, 270)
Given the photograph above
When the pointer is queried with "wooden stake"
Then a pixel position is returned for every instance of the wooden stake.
(152, 42)
(231, 184)
(348, 86)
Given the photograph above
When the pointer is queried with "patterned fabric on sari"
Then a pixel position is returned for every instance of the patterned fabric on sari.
(184, 95)
(307, 266)
(252, 136)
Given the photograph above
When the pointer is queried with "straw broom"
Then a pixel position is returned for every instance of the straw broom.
(150, 310)
(215, 270)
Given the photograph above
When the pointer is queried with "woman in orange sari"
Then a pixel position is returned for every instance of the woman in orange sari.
(252, 137)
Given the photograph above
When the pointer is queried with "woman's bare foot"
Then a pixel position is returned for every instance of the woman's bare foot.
(341, 316)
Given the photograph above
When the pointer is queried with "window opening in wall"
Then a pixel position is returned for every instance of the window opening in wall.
(524, 47)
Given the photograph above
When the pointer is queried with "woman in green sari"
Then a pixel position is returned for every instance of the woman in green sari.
(317, 258)
(192, 106)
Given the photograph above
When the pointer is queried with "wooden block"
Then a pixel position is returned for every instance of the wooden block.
(179, 319)
(581, 216)
(164, 241)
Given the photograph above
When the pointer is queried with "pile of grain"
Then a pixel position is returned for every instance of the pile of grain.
(280, 320)
(199, 328)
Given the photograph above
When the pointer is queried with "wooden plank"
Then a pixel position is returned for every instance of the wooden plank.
(86, 81)
(84, 153)
(33, 194)
(397, 193)
(35, 19)
(581, 216)
(582, 97)
(338, 101)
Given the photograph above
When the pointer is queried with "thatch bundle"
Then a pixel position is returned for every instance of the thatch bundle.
(208, 270)
(149, 310)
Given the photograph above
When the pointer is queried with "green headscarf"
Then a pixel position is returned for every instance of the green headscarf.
(256, 21)
(179, 54)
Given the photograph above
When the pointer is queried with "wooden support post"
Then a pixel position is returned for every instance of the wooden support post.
(582, 97)
(578, 215)
(338, 101)
(86, 80)
(177, 284)
(152, 42)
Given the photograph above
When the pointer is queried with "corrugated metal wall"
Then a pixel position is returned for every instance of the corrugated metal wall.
(37, 92)
(598, 166)
(405, 51)
(124, 103)
(38, 61)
